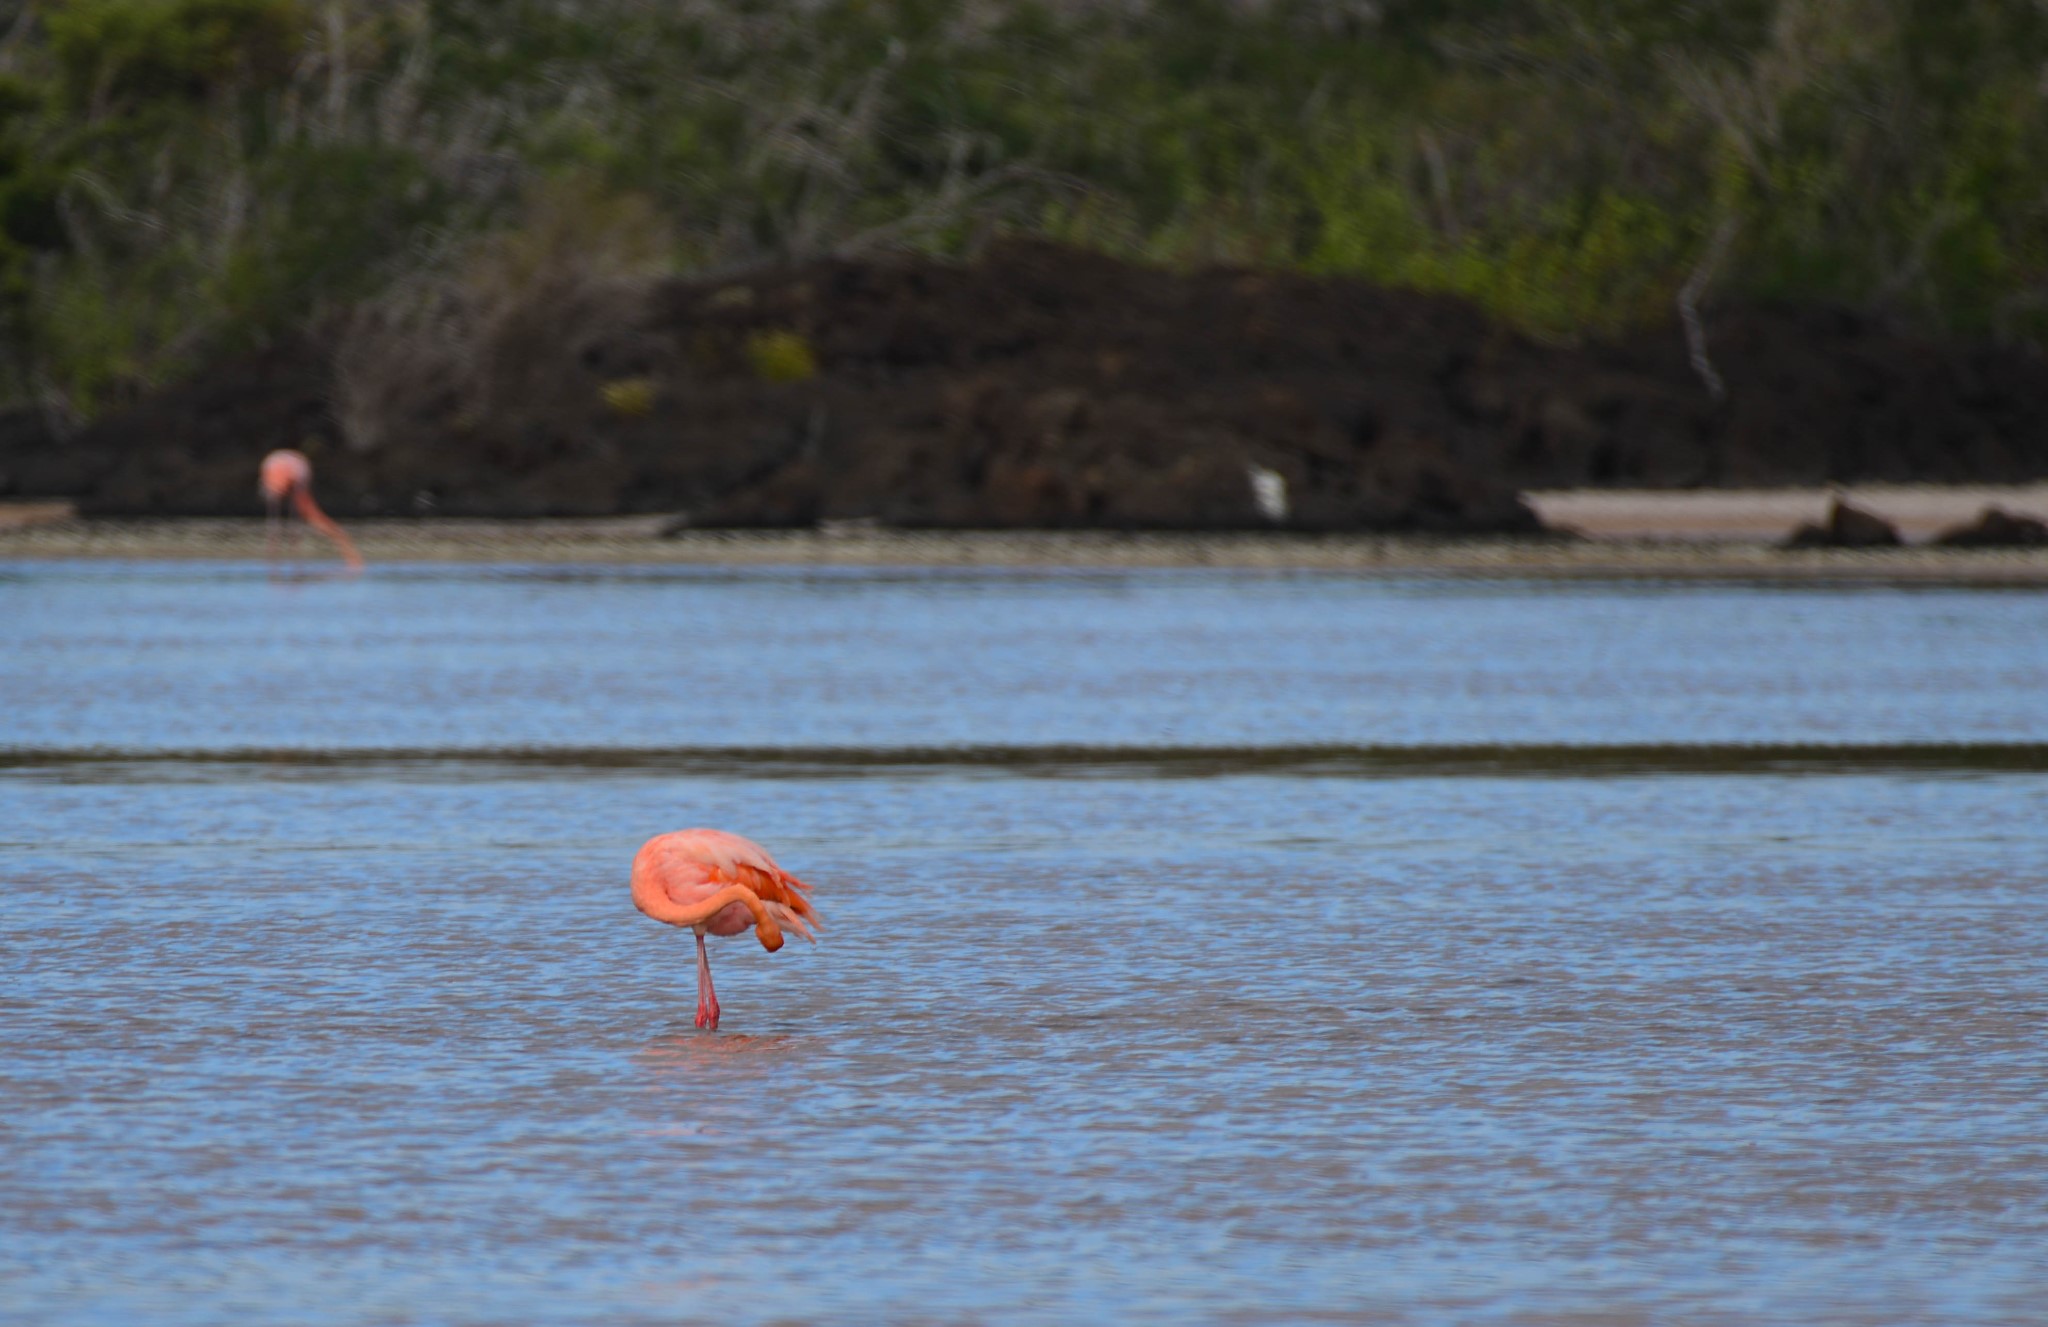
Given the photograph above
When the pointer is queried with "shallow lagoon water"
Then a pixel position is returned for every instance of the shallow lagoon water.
(321, 1000)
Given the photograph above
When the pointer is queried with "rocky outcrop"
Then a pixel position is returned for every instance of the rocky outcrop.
(1996, 528)
(1846, 527)
(1045, 387)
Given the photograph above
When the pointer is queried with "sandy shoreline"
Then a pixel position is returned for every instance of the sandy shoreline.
(638, 540)
(1767, 515)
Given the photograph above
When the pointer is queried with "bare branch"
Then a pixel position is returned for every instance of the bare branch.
(1688, 304)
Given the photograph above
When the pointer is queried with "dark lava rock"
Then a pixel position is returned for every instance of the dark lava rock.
(192, 449)
(1040, 387)
(1996, 528)
(1846, 527)
(1048, 387)
(33, 461)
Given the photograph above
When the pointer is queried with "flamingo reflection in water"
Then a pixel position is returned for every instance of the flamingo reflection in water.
(287, 476)
(717, 884)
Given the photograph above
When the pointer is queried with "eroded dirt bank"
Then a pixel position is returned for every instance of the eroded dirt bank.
(1043, 388)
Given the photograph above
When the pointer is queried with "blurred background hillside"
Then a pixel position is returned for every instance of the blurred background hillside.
(184, 178)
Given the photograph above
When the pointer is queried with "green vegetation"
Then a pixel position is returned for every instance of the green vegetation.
(631, 398)
(779, 355)
(183, 178)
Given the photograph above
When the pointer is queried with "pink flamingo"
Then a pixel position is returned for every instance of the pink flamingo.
(288, 474)
(716, 883)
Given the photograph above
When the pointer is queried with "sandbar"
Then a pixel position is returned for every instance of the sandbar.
(52, 532)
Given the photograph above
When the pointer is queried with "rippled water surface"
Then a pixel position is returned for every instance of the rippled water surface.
(321, 999)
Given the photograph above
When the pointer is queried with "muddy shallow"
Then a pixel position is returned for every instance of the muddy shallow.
(318, 1008)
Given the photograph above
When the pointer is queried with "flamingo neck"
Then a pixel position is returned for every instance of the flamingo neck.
(309, 510)
(658, 905)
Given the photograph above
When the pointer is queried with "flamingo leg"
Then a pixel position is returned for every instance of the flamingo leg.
(310, 513)
(707, 998)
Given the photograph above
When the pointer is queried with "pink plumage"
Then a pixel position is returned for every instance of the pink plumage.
(717, 883)
(287, 476)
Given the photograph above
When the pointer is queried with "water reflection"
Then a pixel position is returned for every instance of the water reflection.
(685, 1054)
(293, 576)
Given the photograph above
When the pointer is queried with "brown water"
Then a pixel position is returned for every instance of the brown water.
(1203, 948)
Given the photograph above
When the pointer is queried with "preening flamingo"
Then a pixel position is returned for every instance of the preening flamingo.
(288, 474)
(717, 884)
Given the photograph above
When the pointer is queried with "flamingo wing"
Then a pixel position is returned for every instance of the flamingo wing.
(783, 893)
(701, 861)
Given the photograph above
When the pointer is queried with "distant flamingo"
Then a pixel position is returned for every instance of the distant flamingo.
(715, 883)
(288, 474)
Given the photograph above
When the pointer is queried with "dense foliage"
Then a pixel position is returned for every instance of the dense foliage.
(182, 177)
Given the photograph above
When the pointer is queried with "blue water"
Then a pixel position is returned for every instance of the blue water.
(190, 655)
(290, 1036)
